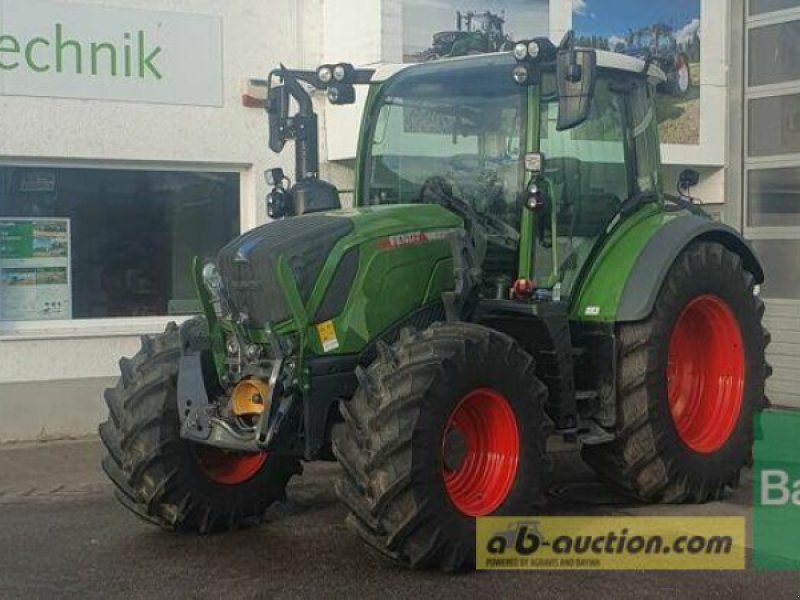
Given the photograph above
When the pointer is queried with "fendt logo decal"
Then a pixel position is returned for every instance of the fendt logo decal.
(412, 239)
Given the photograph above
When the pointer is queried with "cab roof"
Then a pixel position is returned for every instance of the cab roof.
(605, 60)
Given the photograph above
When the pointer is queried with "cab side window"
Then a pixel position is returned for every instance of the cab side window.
(586, 165)
(644, 131)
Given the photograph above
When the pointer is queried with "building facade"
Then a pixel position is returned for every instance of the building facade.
(126, 149)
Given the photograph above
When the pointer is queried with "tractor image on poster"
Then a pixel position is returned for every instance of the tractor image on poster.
(657, 43)
(512, 269)
(475, 33)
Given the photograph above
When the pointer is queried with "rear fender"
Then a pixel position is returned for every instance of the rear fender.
(644, 282)
(623, 283)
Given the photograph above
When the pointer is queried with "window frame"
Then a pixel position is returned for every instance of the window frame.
(124, 326)
(636, 171)
(767, 161)
(628, 145)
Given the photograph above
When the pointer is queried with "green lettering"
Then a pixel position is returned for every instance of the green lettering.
(111, 53)
(38, 41)
(128, 59)
(62, 45)
(146, 60)
(8, 45)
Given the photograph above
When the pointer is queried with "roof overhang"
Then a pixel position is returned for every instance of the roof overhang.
(605, 60)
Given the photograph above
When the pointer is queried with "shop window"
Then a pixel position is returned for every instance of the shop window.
(774, 197)
(758, 7)
(774, 126)
(774, 53)
(93, 243)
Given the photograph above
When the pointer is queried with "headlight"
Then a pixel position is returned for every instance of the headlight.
(520, 74)
(213, 283)
(533, 49)
(325, 74)
(211, 277)
(339, 72)
(521, 51)
(253, 351)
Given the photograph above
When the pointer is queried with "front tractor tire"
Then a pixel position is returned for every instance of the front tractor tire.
(447, 425)
(690, 381)
(165, 479)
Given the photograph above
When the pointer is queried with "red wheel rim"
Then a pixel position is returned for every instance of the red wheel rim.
(487, 426)
(705, 374)
(228, 468)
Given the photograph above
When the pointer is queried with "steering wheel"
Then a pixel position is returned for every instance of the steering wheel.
(439, 190)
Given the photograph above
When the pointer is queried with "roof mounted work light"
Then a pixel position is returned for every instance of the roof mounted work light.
(527, 53)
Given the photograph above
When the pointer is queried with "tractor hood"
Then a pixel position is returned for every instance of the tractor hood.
(249, 265)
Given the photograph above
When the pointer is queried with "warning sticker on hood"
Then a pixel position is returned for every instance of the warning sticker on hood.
(327, 336)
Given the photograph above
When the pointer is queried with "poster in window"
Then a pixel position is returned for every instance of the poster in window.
(667, 33)
(35, 269)
(449, 28)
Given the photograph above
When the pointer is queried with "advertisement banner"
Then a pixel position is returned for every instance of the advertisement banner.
(776, 491)
(668, 34)
(611, 543)
(35, 279)
(450, 28)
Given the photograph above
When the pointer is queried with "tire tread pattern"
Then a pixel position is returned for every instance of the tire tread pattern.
(374, 443)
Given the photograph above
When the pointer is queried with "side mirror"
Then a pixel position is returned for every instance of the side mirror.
(576, 72)
(687, 180)
(278, 113)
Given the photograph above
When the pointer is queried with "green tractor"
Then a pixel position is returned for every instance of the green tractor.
(512, 270)
(476, 33)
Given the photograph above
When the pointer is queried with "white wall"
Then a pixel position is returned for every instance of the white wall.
(51, 379)
(52, 375)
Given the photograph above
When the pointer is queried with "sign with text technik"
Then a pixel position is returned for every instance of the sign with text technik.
(57, 49)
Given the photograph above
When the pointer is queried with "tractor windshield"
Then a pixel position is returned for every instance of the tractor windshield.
(454, 133)
(450, 132)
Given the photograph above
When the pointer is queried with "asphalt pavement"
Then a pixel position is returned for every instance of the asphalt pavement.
(63, 535)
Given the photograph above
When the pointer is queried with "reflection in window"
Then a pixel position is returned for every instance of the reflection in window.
(774, 53)
(774, 197)
(774, 126)
(781, 267)
(132, 237)
(645, 138)
(758, 7)
(587, 171)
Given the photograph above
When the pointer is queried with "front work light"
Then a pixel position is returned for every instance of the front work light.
(520, 74)
(343, 72)
(339, 93)
(539, 49)
(211, 276)
(325, 74)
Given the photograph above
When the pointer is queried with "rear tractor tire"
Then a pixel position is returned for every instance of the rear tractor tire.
(447, 425)
(165, 479)
(690, 381)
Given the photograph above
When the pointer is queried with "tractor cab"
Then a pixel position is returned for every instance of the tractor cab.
(538, 174)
